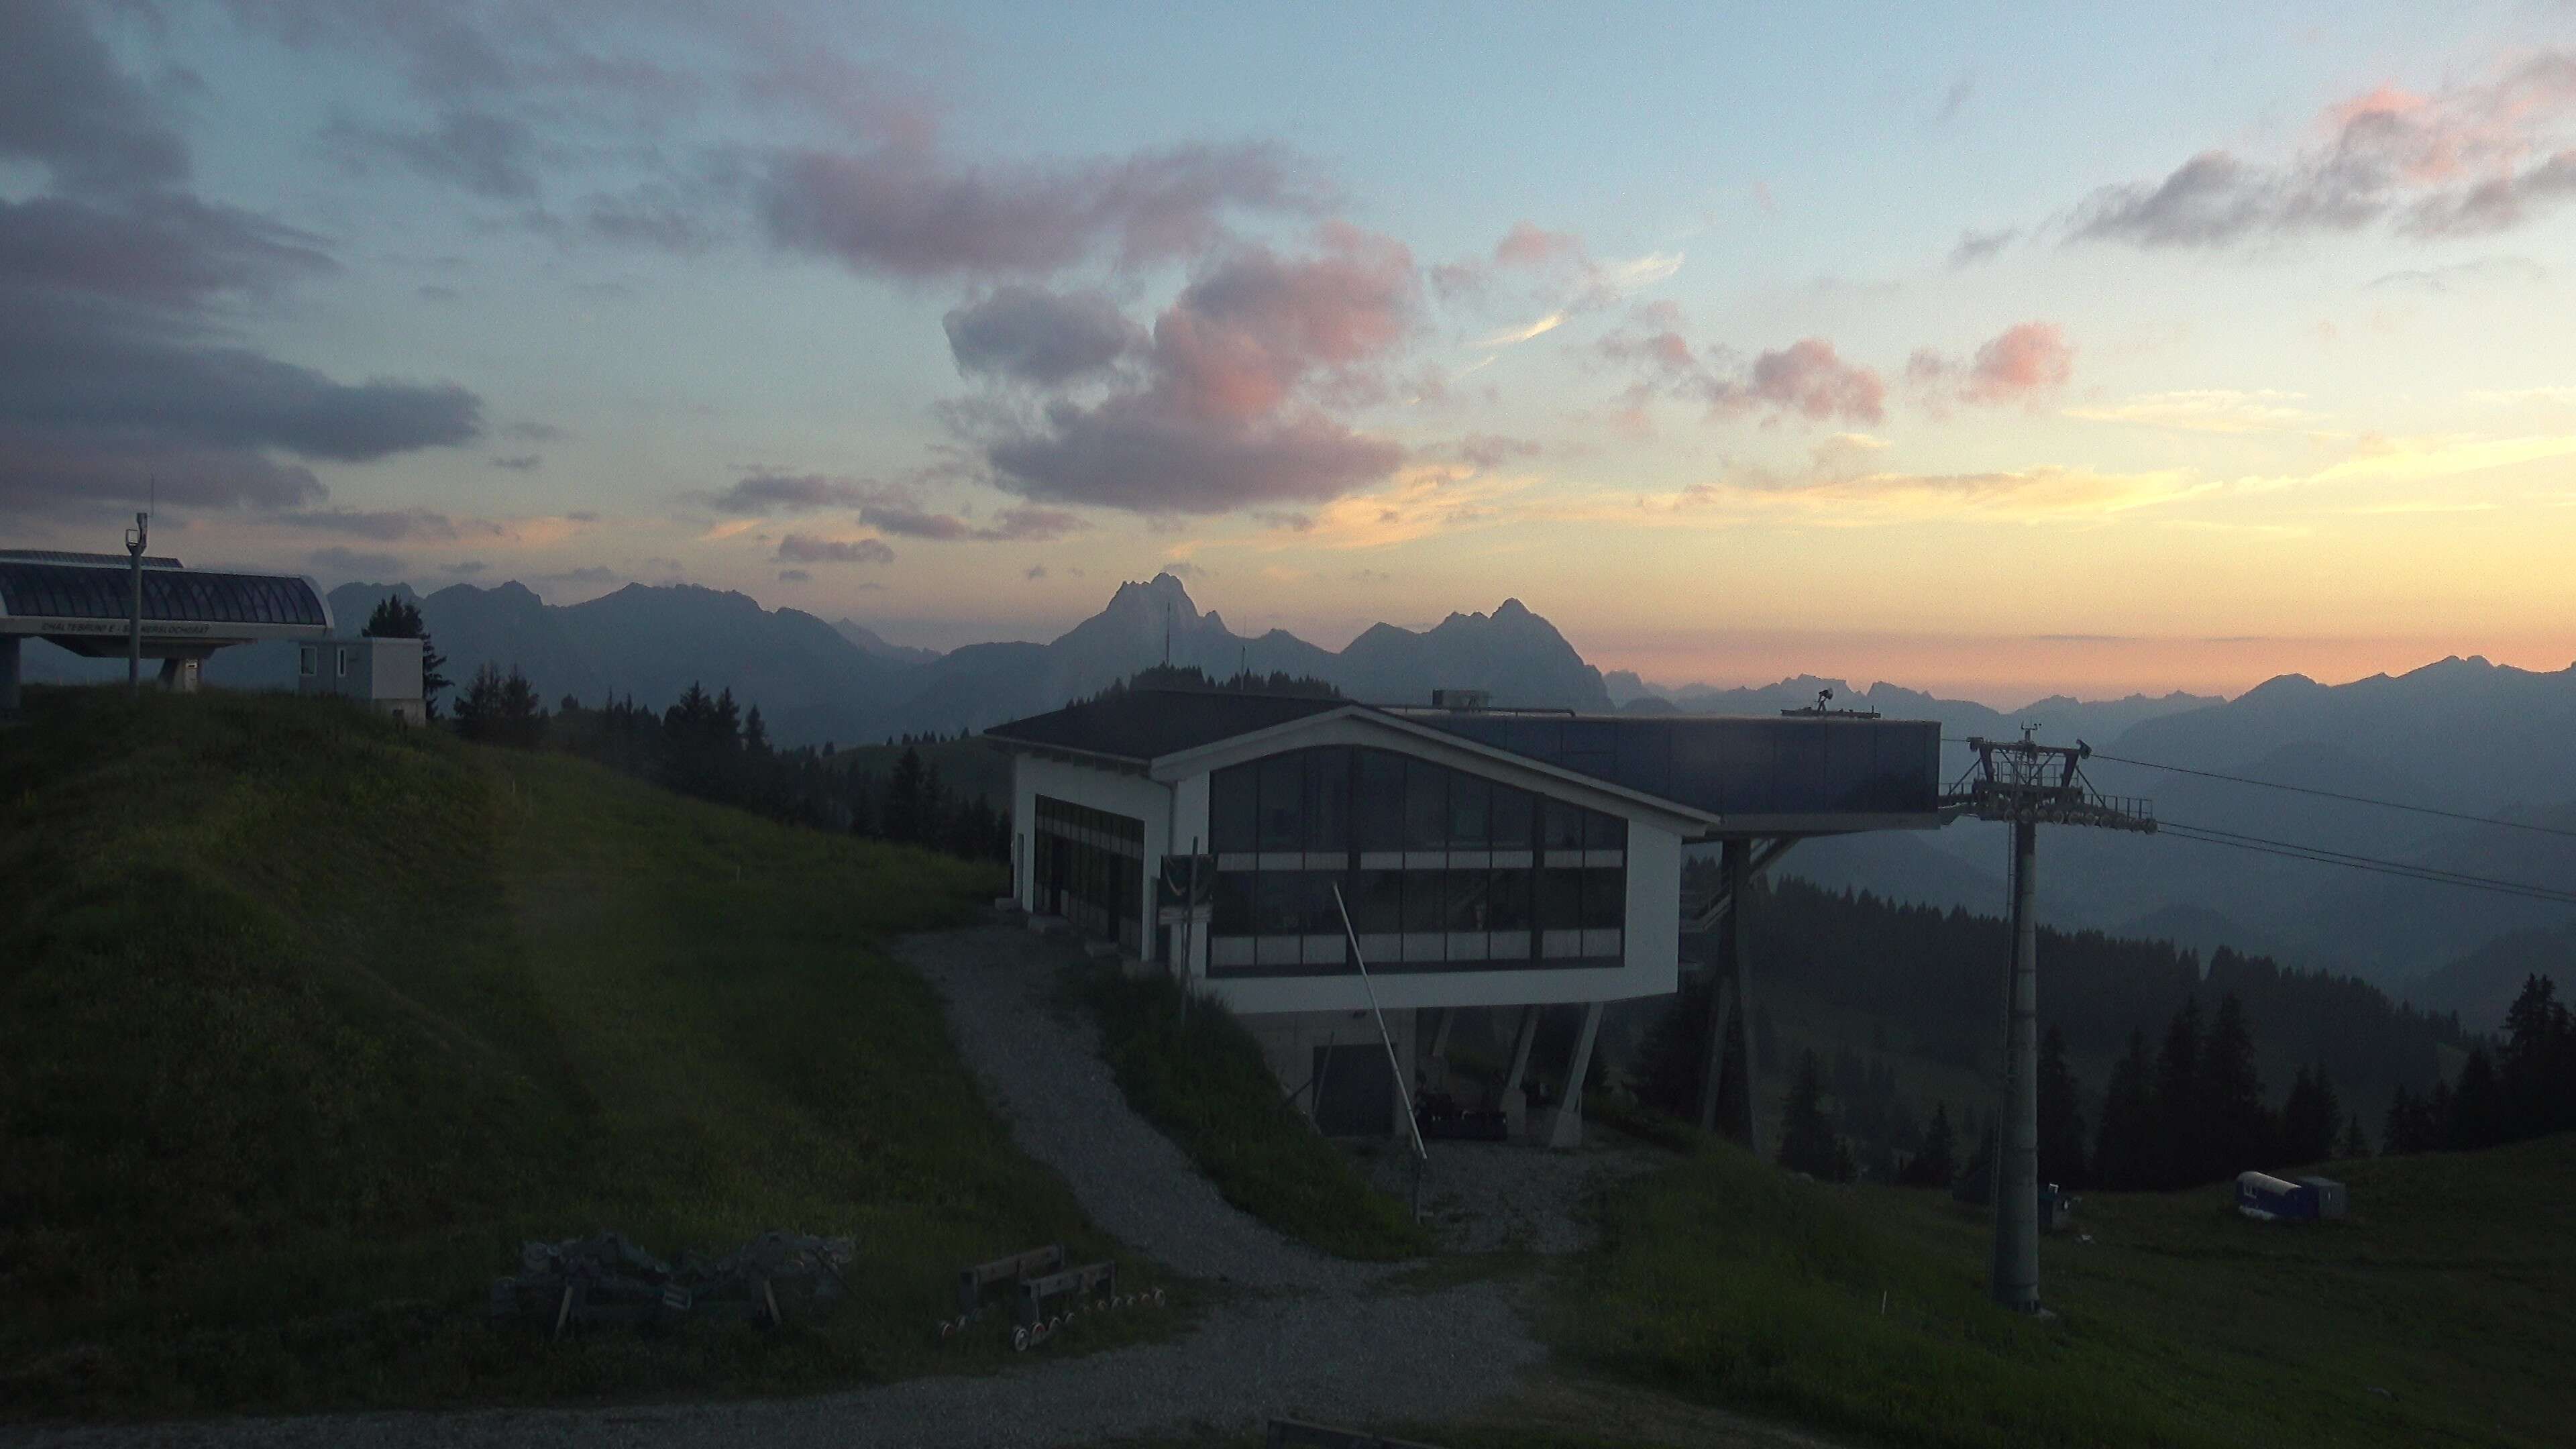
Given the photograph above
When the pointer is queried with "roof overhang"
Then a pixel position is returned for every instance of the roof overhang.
(1418, 739)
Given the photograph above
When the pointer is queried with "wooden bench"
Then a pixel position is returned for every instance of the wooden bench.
(1090, 1280)
(971, 1282)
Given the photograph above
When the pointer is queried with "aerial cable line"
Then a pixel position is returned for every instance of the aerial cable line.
(2321, 855)
(2330, 794)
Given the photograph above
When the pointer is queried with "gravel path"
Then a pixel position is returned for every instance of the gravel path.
(1040, 1066)
(1335, 1358)
(1322, 1340)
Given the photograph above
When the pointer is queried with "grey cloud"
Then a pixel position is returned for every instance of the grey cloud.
(519, 463)
(115, 289)
(1035, 572)
(1128, 454)
(2456, 162)
(388, 525)
(2497, 203)
(901, 210)
(481, 152)
(1976, 248)
(159, 249)
(2214, 199)
(341, 563)
(1025, 523)
(1489, 451)
(65, 105)
(2485, 271)
(765, 493)
(434, 292)
(794, 576)
(801, 549)
(1038, 336)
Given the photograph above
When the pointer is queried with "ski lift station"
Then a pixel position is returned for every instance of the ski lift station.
(86, 602)
(1488, 858)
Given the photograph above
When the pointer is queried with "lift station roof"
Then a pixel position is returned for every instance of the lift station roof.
(84, 602)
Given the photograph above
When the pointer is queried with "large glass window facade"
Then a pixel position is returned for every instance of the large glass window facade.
(1091, 870)
(1442, 869)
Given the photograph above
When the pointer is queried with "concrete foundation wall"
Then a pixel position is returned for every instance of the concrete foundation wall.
(1289, 1039)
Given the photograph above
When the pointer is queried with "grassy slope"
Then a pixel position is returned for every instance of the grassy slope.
(306, 1020)
(1205, 1085)
(2180, 1323)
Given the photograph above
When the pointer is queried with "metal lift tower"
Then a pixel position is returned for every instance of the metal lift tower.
(2029, 784)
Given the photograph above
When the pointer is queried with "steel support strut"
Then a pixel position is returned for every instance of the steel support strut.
(2016, 1269)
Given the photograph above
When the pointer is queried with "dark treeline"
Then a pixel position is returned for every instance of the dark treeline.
(709, 746)
(2248, 1066)
(1937, 977)
(2190, 1110)
(2525, 1089)
(1190, 676)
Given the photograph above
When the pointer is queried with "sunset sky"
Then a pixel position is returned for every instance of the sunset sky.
(1988, 351)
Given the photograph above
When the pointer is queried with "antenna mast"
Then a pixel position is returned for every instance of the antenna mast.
(2029, 784)
(134, 541)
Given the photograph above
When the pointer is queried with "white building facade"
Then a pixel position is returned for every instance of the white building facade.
(1230, 838)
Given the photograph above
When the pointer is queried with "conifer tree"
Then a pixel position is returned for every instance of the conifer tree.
(2061, 1116)
(1808, 1142)
(2237, 1130)
(2124, 1155)
(1934, 1166)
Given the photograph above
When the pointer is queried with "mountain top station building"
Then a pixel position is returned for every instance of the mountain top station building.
(1495, 858)
(85, 603)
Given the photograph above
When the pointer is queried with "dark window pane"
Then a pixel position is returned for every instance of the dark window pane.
(1328, 799)
(1377, 908)
(1426, 806)
(1514, 812)
(1425, 906)
(1283, 804)
(1561, 826)
(1323, 917)
(1605, 898)
(1604, 832)
(1510, 906)
(1230, 911)
(1278, 903)
(1471, 801)
(1379, 806)
(1466, 900)
(1560, 900)
(1233, 809)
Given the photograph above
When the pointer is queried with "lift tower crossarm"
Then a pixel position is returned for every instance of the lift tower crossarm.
(2029, 784)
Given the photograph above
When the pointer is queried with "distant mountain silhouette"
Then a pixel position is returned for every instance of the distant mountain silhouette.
(2483, 983)
(1514, 654)
(869, 640)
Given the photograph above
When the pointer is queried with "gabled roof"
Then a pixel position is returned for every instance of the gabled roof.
(1767, 772)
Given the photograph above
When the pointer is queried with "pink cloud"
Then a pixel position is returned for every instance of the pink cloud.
(2022, 362)
(1231, 410)
(2031, 357)
(1807, 377)
(1526, 245)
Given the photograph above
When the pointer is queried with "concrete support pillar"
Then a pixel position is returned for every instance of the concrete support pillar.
(9, 674)
(1515, 1106)
(2015, 1282)
(1439, 1054)
(1566, 1133)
